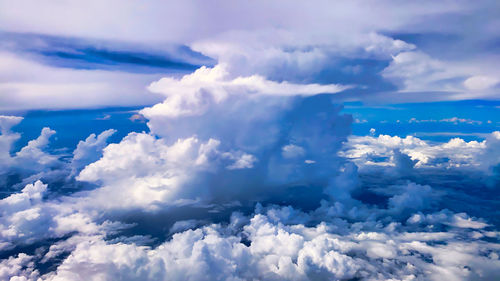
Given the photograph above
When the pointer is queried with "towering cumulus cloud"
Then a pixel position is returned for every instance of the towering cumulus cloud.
(236, 159)
(242, 181)
(221, 141)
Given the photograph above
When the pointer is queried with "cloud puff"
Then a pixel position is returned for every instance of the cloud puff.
(455, 120)
(31, 159)
(417, 71)
(29, 217)
(7, 138)
(292, 151)
(7, 122)
(414, 197)
(18, 268)
(194, 93)
(277, 250)
(288, 54)
(33, 152)
(144, 171)
(371, 151)
(22, 217)
(480, 82)
(36, 160)
(31, 194)
(90, 150)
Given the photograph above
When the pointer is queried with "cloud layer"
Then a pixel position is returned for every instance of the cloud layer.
(407, 42)
(248, 170)
(317, 221)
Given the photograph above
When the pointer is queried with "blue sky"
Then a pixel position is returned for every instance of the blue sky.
(441, 121)
(283, 140)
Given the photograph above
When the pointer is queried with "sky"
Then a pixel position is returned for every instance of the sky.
(263, 140)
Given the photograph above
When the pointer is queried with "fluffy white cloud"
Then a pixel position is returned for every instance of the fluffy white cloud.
(460, 220)
(22, 217)
(36, 160)
(28, 217)
(239, 139)
(194, 94)
(30, 195)
(20, 268)
(33, 151)
(7, 122)
(31, 159)
(277, 250)
(292, 151)
(383, 150)
(90, 150)
(288, 54)
(414, 197)
(488, 158)
(480, 82)
(7, 138)
(143, 171)
(417, 71)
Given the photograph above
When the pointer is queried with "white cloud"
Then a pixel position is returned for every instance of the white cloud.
(20, 268)
(31, 159)
(292, 151)
(245, 161)
(26, 84)
(90, 150)
(143, 171)
(181, 226)
(459, 220)
(28, 217)
(7, 138)
(22, 217)
(33, 151)
(489, 157)
(480, 82)
(416, 71)
(455, 153)
(341, 239)
(7, 122)
(241, 131)
(454, 120)
(252, 51)
(290, 54)
(264, 45)
(281, 251)
(195, 93)
(37, 160)
(414, 197)
(30, 195)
